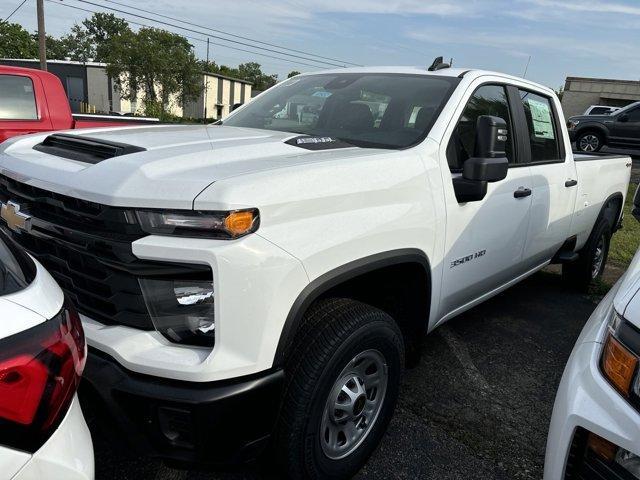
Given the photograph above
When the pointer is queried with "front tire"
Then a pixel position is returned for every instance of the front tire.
(589, 142)
(342, 382)
(593, 257)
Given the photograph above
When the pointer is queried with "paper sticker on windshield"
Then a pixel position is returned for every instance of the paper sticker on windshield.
(541, 116)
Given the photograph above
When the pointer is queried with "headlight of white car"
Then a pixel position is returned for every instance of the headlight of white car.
(620, 356)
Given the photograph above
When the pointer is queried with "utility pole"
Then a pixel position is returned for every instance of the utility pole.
(206, 83)
(42, 39)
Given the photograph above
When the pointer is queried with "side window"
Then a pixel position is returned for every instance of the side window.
(17, 101)
(634, 115)
(541, 126)
(486, 100)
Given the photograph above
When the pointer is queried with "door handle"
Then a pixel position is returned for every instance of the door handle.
(522, 192)
(570, 183)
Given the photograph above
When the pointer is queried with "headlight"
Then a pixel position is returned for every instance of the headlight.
(571, 124)
(620, 355)
(181, 309)
(226, 225)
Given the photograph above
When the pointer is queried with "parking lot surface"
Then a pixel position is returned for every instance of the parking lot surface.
(478, 404)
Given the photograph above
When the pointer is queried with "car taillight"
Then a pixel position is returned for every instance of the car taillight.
(40, 370)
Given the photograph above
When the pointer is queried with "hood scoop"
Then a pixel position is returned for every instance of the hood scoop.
(84, 149)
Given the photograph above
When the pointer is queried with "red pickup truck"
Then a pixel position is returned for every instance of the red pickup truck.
(34, 101)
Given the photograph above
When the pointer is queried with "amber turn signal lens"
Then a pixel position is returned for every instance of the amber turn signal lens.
(239, 223)
(619, 365)
(601, 447)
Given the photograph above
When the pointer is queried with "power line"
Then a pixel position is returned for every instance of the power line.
(295, 62)
(230, 34)
(16, 9)
(209, 35)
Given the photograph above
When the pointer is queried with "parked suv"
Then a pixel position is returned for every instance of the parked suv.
(262, 282)
(619, 129)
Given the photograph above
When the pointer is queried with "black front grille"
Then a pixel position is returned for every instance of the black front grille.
(87, 248)
(583, 464)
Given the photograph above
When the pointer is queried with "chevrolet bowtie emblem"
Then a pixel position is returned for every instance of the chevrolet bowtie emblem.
(16, 220)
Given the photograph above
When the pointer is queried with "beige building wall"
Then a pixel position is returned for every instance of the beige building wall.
(226, 97)
(580, 93)
(98, 89)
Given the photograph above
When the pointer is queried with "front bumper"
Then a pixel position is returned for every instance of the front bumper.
(209, 424)
(586, 402)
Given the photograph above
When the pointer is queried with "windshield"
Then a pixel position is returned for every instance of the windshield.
(378, 110)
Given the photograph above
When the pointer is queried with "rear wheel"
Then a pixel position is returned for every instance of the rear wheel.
(342, 382)
(589, 142)
(593, 257)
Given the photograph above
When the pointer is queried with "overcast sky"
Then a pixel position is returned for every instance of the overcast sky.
(563, 37)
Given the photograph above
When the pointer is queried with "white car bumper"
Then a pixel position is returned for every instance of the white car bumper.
(585, 400)
(67, 455)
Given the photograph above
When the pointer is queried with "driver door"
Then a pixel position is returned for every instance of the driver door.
(484, 239)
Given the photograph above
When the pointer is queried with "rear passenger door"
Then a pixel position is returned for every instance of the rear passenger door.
(484, 239)
(19, 112)
(553, 177)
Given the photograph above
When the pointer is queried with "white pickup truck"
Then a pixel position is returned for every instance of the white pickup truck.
(262, 282)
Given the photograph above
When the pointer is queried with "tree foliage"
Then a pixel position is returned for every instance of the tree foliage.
(293, 73)
(103, 29)
(16, 42)
(159, 63)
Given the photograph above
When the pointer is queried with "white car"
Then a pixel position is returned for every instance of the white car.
(261, 281)
(43, 433)
(595, 426)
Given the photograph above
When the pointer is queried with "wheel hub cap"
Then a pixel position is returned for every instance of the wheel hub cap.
(353, 405)
(598, 258)
(589, 143)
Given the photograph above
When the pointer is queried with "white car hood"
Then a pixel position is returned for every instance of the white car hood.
(178, 164)
(627, 300)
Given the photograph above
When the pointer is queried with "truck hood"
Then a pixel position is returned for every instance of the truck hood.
(178, 162)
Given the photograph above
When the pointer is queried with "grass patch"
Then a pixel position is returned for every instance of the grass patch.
(626, 241)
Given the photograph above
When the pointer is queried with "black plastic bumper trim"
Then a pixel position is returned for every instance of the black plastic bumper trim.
(211, 424)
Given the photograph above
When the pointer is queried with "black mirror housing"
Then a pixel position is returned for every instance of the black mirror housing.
(491, 137)
(635, 211)
(486, 169)
(489, 163)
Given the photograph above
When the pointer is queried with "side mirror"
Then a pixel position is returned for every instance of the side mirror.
(236, 105)
(489, 163)
(635, 211)
(623, 118)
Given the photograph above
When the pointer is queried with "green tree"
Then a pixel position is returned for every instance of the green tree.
(102, 29)
(16, 42)
(252, 72)
(79, 44)
(159, 63)
(293, 73)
